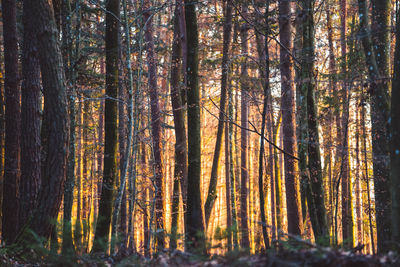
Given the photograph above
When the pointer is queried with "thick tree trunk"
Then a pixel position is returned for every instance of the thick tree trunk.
(194, 216)
(288, 116)
(56, 137)
(111, 128)
(12, 123)
(376, 53)
(395, 141)
(30, 119)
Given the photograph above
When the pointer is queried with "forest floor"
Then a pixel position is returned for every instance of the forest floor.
(312, 257)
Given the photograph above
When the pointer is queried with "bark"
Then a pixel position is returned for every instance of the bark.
(12, 123)
(67, 243)
(212, 194)
(333, 91)
(155, 125)
(263, 126)
(316, 193)
(376, 54)
(55, 140)
(395, 141)
(194, 217)
(30, 119)
(347, 218)
(288, 117)
(111, 128)
(244, 174)
(180, 171)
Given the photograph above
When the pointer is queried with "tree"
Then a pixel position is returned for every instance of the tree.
(111, 127)
(12, 123)
(377, 59)
(155, 124)
(194, 216)
(244, 134)
(55, 137)
(180, 171)
(212, 194)
(395, 141)
(288, 117)
(30, 119)
(315, 192)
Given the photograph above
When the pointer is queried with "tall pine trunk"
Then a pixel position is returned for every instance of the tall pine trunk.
(110, 129)
(194, 216)
(12, 123)
(180, 171)
(30, 119)
(288, 117)
(376, 54)
(155, 125)
(244, 135)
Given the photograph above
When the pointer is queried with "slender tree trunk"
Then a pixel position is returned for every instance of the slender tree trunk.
(314, 157)
(244, 134)
(212, 194)
(180, 171)
(263, 120)
(366, 176)
(288, 117)
(333, 90)
(67, 243)
(111, 128)
(194, 216)
(155, 125)
(12, 123)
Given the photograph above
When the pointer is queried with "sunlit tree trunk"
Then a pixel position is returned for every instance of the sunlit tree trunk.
(288, 110)
(211, 196)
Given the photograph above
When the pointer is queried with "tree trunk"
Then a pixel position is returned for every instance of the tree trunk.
(111, 128)
(194, 216)
(55, 142)
(376, 53)
(12, 123)
(288, 116)
(155, 125)
(212, 194)
(180, 171)
(244, 99)
(67, 243)
(316, 194)
(30, 119)
(395, 141)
